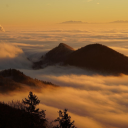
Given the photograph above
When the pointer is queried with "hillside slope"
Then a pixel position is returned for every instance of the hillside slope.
(99, 58)
(54, 56)
(12, 79)
(59, 53)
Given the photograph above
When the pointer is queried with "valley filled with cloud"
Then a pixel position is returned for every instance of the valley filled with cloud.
(93, 100)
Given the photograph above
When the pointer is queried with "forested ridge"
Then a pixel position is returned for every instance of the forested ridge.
(24, 114)
(12, 79)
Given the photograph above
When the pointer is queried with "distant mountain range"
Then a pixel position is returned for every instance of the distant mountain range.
(74, 22)
(95, 57)
(120, 21)
(71, 22)
(12, 79)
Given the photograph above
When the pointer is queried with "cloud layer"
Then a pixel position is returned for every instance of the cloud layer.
(36, 43)
(93, 101)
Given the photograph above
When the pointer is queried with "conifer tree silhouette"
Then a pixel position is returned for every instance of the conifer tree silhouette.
(64, 120)
(31, 103)
(37, 118)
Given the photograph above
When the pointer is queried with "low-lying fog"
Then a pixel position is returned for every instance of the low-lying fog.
(93, 101)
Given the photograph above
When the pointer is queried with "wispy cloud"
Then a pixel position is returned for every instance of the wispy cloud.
(74, 22)
(1, 29)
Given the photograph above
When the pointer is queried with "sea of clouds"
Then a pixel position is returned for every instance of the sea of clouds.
(93, 100)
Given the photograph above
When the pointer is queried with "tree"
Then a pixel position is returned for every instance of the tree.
(37, 118)
(64, 120)
(31, 102)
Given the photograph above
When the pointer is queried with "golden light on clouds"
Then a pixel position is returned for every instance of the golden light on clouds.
(9, 51)
(93, 101)
(33, 27)
(1, 29)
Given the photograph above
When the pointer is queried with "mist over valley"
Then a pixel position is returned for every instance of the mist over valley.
(94, 98)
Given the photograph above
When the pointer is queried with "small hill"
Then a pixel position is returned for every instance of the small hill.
(98, 57)
(56, 55)
(12, 79)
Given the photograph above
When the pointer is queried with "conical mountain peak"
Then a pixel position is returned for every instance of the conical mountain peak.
(59, 53)
(99, 57)
(63, 45)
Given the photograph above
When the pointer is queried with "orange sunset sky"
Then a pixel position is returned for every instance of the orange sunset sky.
(41, 13)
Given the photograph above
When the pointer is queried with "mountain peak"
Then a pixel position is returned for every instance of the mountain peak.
(59, 53)
(63, 45)
(99, 57)
(56, 55)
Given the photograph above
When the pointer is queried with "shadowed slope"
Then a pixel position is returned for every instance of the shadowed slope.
(54, 56)
(99, 58)
(60, 53)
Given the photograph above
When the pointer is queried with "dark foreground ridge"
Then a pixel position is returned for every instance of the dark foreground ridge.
(25, 115)
(12, 79)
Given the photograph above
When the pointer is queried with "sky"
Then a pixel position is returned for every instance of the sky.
(50, 12)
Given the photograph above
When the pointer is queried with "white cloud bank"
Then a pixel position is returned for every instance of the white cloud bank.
(12, 57)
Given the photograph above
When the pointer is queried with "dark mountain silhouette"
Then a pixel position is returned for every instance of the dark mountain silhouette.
(60, 53)
(100, 58)
(95, 57)
(12, 79)
(56, 55)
